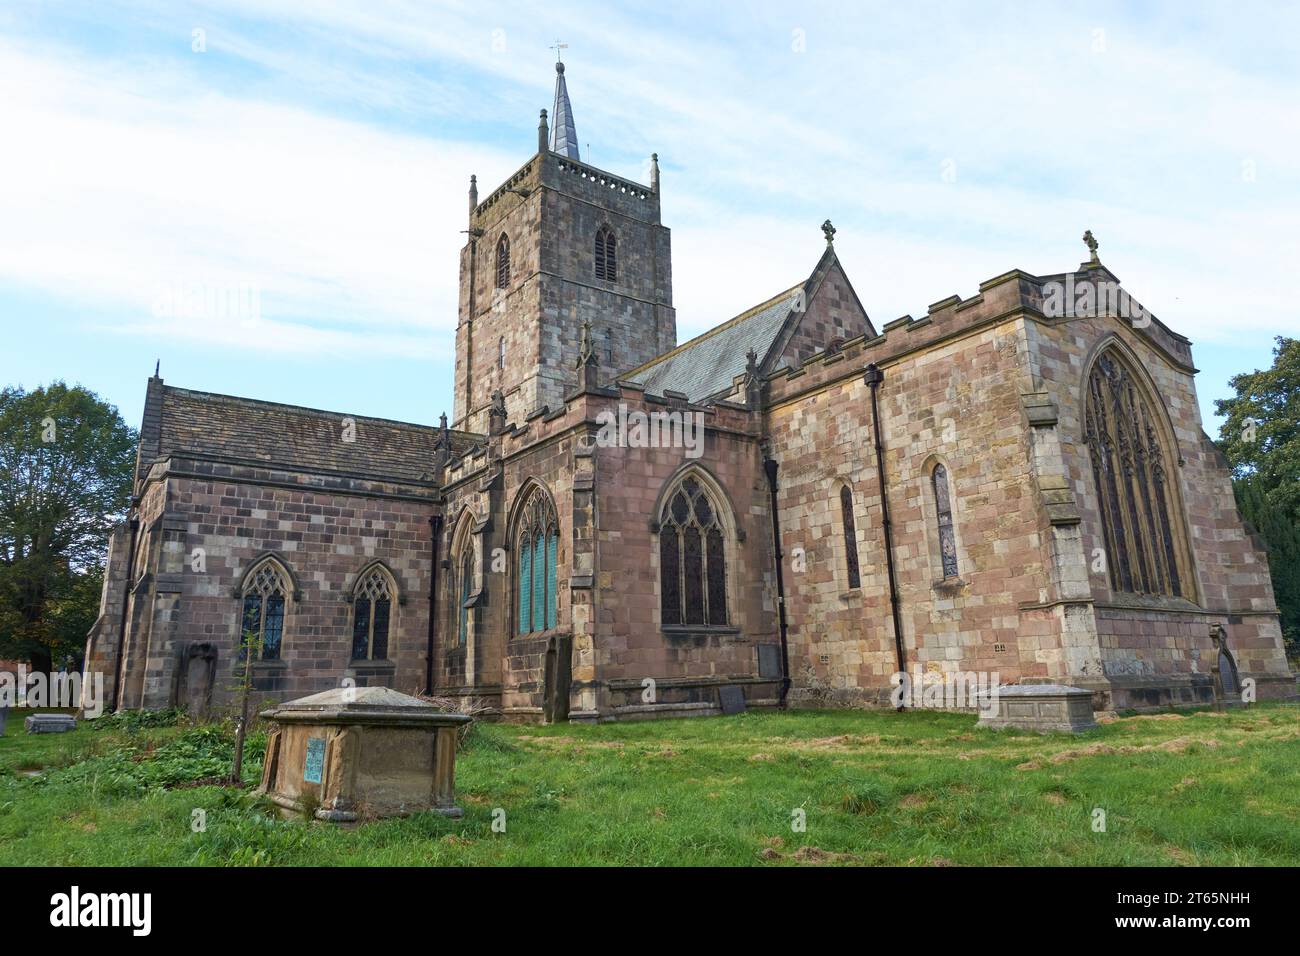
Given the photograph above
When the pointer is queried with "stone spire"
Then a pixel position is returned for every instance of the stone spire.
(564, 137)
(543, 134)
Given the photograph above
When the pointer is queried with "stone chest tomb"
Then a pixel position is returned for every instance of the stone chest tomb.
(356, 753)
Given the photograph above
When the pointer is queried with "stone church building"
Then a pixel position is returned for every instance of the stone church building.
(1000, 485)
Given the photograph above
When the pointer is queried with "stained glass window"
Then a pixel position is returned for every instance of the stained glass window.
(371, 608)
(850, 537)
(692, 559)
(466, 588)
(1130, 476)
(262, 620)
(943, 512)
(537, 549)
(503, 262)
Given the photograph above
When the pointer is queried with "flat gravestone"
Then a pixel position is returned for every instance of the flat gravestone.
(732, 699)
(50, 723)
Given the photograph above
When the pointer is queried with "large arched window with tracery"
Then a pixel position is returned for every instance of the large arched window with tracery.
(1130, 471)
(262, 621)
(537, 550)
(692, 558)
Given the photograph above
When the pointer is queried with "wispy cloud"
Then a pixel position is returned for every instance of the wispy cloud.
(322, 149)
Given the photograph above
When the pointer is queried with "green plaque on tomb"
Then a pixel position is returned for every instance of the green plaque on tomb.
(315, 760)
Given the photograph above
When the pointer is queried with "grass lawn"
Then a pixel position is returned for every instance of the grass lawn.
(875, 788)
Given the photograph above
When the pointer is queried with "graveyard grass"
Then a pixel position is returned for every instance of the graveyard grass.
(920, 788)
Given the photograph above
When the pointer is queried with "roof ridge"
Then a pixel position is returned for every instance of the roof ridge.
(709, 333)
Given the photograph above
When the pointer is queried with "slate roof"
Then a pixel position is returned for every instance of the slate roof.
(708, 363)
(299, 439)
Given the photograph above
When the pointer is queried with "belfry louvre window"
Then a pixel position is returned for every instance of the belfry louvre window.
(692, 563)
(372, 604)
(503, 262)
(606, 254)
(1130, 473)
(537, 546)
(943, 514)
(262, 621)
(850, 537)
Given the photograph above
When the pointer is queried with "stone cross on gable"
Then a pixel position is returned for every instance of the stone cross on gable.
(1091, 243)
(829, 232)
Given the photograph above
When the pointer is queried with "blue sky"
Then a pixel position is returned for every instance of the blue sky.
(320, 153)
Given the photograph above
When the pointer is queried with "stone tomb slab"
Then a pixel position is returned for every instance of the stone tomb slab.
(50, 723)
(1044, 708)
(357, 753)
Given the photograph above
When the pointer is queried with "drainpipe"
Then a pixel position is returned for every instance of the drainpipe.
(435, 532)
(770, 467)
(874, 376)
(121, 629)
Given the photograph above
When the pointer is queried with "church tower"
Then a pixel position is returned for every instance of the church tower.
(558, 244)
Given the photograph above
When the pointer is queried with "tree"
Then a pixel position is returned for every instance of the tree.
(66, 468)
(1261, 440)
(1261, 434)
(1282, 536)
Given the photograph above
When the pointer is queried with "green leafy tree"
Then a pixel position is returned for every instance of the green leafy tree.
(1261, 433)
(1261, 440)
(66, 466)
(1282, 536)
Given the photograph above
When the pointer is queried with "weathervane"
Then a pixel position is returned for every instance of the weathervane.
(557, 48)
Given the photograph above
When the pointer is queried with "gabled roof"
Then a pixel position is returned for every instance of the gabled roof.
(297, 438)
(708, 364)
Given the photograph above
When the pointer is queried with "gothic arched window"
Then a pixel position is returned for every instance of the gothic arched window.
(537, 546)
(464, 590)
(262, 621)
(503, 262)
(943, 516)
(372, 605)
(606, 254)
(1131, 478)
(692, 561)
(850, 537)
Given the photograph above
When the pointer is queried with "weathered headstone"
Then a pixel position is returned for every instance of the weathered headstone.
(1040, 707)
(732, 699)
(196, 673)
(50, 723)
